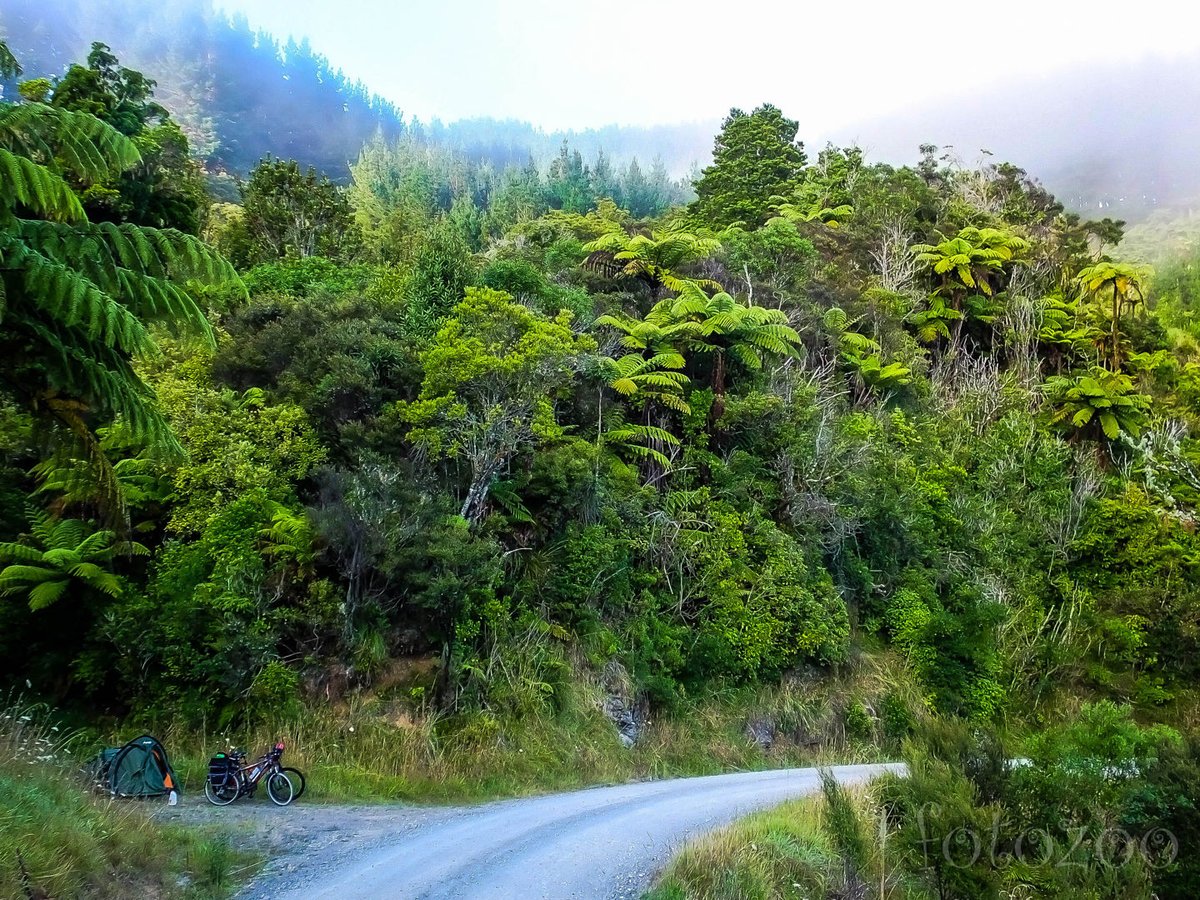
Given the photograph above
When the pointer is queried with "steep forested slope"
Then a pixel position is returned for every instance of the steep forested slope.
(474, 477)
(239, 94)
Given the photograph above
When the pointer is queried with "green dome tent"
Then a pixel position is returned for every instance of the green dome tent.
(139, 769)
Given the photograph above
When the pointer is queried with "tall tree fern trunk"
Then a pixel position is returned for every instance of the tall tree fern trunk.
(718, 386)
(1116, 333)
(654, 471)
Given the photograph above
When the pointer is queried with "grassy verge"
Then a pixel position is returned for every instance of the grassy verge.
(57, 840)
(804, 849)
(783, 852)
(964, 822)
(381, 746)
(377, 747)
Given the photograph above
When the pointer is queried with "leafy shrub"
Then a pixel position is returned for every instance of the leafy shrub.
(304, 276)
(857, 721)
(274, 691)
(950, 643)
(1141, 567)
(896, 718)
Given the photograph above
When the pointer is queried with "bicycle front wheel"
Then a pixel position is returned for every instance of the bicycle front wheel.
(221, 792)
(279, 789)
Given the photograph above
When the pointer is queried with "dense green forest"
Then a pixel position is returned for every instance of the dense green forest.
(477, 434)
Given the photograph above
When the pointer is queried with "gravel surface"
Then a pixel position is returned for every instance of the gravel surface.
(601, 843)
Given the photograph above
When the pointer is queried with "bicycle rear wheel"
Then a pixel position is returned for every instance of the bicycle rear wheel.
(279, 789)
(222, 791)
(296, 777)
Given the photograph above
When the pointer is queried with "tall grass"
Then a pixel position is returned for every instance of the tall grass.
(58, 840)
(777, 853)
(383, 745)
(388, 744)
(814, 847)
(374, 748)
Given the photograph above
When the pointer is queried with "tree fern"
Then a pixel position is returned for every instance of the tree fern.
(971, 261)
(79, 143)
(654, 258)
(291, 536)
(1097, 405)
(641, 441)
(76, 298)
(85, 477)
(1118, 287)
(816, 211)
(61, 554)
(933, 324)
(650, 373)
(722, 327)
(649, 379)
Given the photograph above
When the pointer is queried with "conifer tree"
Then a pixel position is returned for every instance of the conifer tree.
(756, 157)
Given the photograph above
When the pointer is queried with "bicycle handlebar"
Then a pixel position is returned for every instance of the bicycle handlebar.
(275, 752)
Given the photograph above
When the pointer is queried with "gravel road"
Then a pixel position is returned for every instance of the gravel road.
(600, 843)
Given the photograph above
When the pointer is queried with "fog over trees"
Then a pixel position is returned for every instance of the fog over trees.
(1116, 138)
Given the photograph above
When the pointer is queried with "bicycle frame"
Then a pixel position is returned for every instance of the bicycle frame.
(250, 775)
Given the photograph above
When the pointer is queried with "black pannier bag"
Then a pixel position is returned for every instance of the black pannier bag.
(218, 767)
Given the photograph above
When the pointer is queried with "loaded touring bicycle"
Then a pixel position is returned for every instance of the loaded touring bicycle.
(230, 777)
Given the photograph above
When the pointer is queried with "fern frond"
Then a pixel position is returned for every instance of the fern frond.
(666, 381)
(82, 144)
(11, 578)
(746, 356)
(24, 182)
(641, 433)
(46, 593)
(70, 299)
(657, 456)
(13, 552)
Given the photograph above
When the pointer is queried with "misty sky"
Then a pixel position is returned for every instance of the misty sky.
(568, 64)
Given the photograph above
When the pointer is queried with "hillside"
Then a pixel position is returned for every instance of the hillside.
(1111, 139)
(471, 481)
(238, 94)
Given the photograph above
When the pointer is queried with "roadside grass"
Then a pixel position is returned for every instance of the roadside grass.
(782, 852)
(365, 750)
(379, 746)
(58, 840)
(805, 849)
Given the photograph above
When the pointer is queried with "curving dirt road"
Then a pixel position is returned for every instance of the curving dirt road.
(598, 843)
